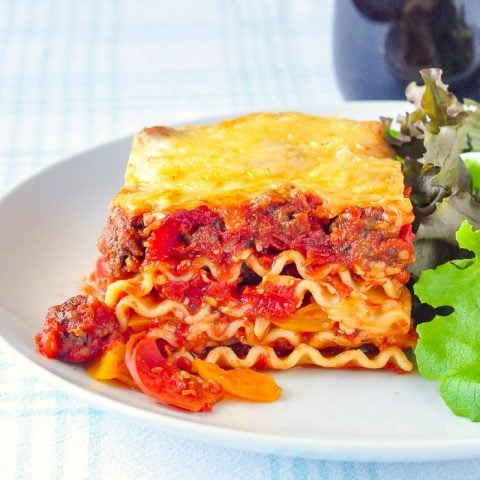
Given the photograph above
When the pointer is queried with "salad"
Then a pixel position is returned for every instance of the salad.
(438, 144)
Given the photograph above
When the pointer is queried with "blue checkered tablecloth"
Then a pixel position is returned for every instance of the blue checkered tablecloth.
(77, 73)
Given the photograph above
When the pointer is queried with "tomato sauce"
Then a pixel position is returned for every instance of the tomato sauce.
(359, 238)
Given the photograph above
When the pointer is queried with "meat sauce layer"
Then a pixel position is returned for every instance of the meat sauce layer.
(364, 240)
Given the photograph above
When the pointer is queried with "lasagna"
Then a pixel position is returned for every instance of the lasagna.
(263, 242)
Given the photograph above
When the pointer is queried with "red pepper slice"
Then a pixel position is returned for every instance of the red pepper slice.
(165, 382)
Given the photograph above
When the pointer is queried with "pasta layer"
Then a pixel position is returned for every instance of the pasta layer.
(307, 355)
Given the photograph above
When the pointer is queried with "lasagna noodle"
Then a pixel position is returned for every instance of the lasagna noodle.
(143, 283)
(352, 314)
(308, 355)
(343, 162)
(133, 294)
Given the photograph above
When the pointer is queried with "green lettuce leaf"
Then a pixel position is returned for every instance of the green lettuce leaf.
(473, 166)
(448, 349)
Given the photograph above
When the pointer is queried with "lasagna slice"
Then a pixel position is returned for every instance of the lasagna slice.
(263, 242)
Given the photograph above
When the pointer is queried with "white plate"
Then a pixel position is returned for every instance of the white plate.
(49, 227)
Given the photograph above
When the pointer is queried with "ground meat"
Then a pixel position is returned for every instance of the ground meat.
(78, 330)
(367, 237)
(121, 244)
(277, 221)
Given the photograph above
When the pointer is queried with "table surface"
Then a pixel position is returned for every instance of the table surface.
(74, 74)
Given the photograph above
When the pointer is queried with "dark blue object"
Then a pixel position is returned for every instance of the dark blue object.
(361, 45)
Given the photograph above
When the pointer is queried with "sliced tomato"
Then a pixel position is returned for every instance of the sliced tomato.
(165, 382)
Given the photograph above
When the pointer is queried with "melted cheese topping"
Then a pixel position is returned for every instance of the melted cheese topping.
(345, 162)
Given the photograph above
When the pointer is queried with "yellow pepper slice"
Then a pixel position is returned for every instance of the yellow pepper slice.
(310, 318)
(111, 365)
(241, 382)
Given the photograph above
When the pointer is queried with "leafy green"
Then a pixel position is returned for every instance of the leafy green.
(435, 237)
(474, 168)
(448, 349)
(430, 141)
